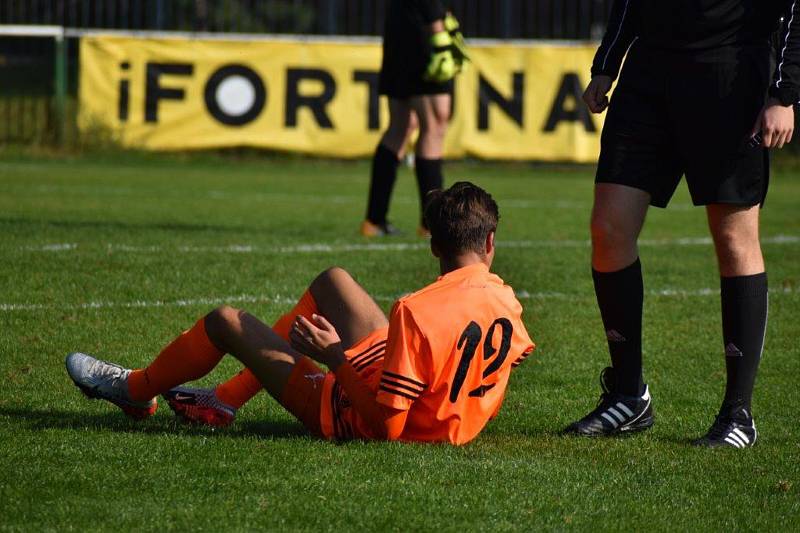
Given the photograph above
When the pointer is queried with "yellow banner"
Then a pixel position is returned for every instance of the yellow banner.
(514, 101)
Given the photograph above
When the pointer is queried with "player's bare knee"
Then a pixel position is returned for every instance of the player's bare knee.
(737, 250)
(734, 241)
(221, 322)
(330, 277)
(395, 137)
(434, 129)
(604, 232)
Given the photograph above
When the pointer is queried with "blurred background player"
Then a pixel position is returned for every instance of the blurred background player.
(436, 371)
(422, 52)
(699, 95)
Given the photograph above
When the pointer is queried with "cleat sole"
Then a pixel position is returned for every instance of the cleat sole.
(201, 416)
(135, 413)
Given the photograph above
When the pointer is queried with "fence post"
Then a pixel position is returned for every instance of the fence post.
(330, 17)
(60, 85)
(506, 18)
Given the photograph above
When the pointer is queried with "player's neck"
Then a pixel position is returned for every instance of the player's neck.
(454, 263)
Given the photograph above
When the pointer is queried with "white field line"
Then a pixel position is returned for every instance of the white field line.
(306, 199)
(286, 300)
(378, 247)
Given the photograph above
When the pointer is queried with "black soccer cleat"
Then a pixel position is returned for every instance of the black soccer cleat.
(615, 413)
(730, 430)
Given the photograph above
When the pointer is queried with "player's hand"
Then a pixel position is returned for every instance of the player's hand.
(441, 66)
(596, 94)
(776, 124)
(318, 339)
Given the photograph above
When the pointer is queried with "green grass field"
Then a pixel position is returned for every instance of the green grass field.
(116, 254)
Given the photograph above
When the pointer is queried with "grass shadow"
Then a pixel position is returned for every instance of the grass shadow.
(41, 420)
(108, 224)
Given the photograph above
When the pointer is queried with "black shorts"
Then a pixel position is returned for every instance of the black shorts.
(678, 113)
(406, 51)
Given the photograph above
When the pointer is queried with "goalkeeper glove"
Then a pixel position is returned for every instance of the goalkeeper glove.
(459, 47)
(441, 66)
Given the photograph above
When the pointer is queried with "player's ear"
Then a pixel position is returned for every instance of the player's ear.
(490, 243)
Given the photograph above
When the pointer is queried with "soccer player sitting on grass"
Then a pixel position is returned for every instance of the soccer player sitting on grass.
(437, 370)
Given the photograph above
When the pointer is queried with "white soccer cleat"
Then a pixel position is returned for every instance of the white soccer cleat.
(106, 381)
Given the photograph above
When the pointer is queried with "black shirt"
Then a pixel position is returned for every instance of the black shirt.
(414, 13)
(696, 25)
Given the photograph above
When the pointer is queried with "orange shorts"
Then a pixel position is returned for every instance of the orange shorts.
(303, 394)
(308, 393)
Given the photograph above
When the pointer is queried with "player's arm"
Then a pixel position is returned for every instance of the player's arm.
(776, 120)
(518, 361)
(320, 341)
(620, 34)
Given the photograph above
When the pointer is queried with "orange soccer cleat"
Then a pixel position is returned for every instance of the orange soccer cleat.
(199, 406)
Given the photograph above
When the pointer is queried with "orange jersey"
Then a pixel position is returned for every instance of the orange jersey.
(446, 359)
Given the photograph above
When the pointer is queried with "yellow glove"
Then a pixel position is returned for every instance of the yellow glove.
(459, 47)
(441, 66)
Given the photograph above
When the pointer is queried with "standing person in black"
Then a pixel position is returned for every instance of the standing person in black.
(705, 92)
(422, 53)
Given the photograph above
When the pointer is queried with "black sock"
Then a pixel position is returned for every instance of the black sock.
(620, 296)
(384, 174)
(744, 323)
(429, 178)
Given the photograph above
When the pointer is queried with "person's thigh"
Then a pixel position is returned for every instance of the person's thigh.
(400, 113)
(432, 109)
(637, 147)
(346, 305)
(718, 96)
(433, 112)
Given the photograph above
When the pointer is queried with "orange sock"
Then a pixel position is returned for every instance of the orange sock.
(191, 356)
(238, 390)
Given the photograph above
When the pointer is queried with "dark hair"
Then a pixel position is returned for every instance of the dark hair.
(460, 218)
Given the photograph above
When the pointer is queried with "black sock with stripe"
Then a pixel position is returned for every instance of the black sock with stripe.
(384, 174)
(620, 296)
(744, 321)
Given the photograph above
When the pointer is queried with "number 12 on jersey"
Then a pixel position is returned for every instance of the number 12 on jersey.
(468, 342)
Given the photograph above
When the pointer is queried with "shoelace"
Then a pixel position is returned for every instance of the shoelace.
(111, 375)
(606, 384)
(720, 428)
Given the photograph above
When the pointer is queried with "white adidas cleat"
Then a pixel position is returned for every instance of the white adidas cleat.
(106, 381)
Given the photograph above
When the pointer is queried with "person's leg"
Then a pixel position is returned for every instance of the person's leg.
(333, 294)
(190, 356)
(433, 112)
(617, 218)
(241, 388)
(386, 159)
(743, 283)
(346, 305)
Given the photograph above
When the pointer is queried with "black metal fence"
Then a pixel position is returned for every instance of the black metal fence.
(27, 82)
(507, 19)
